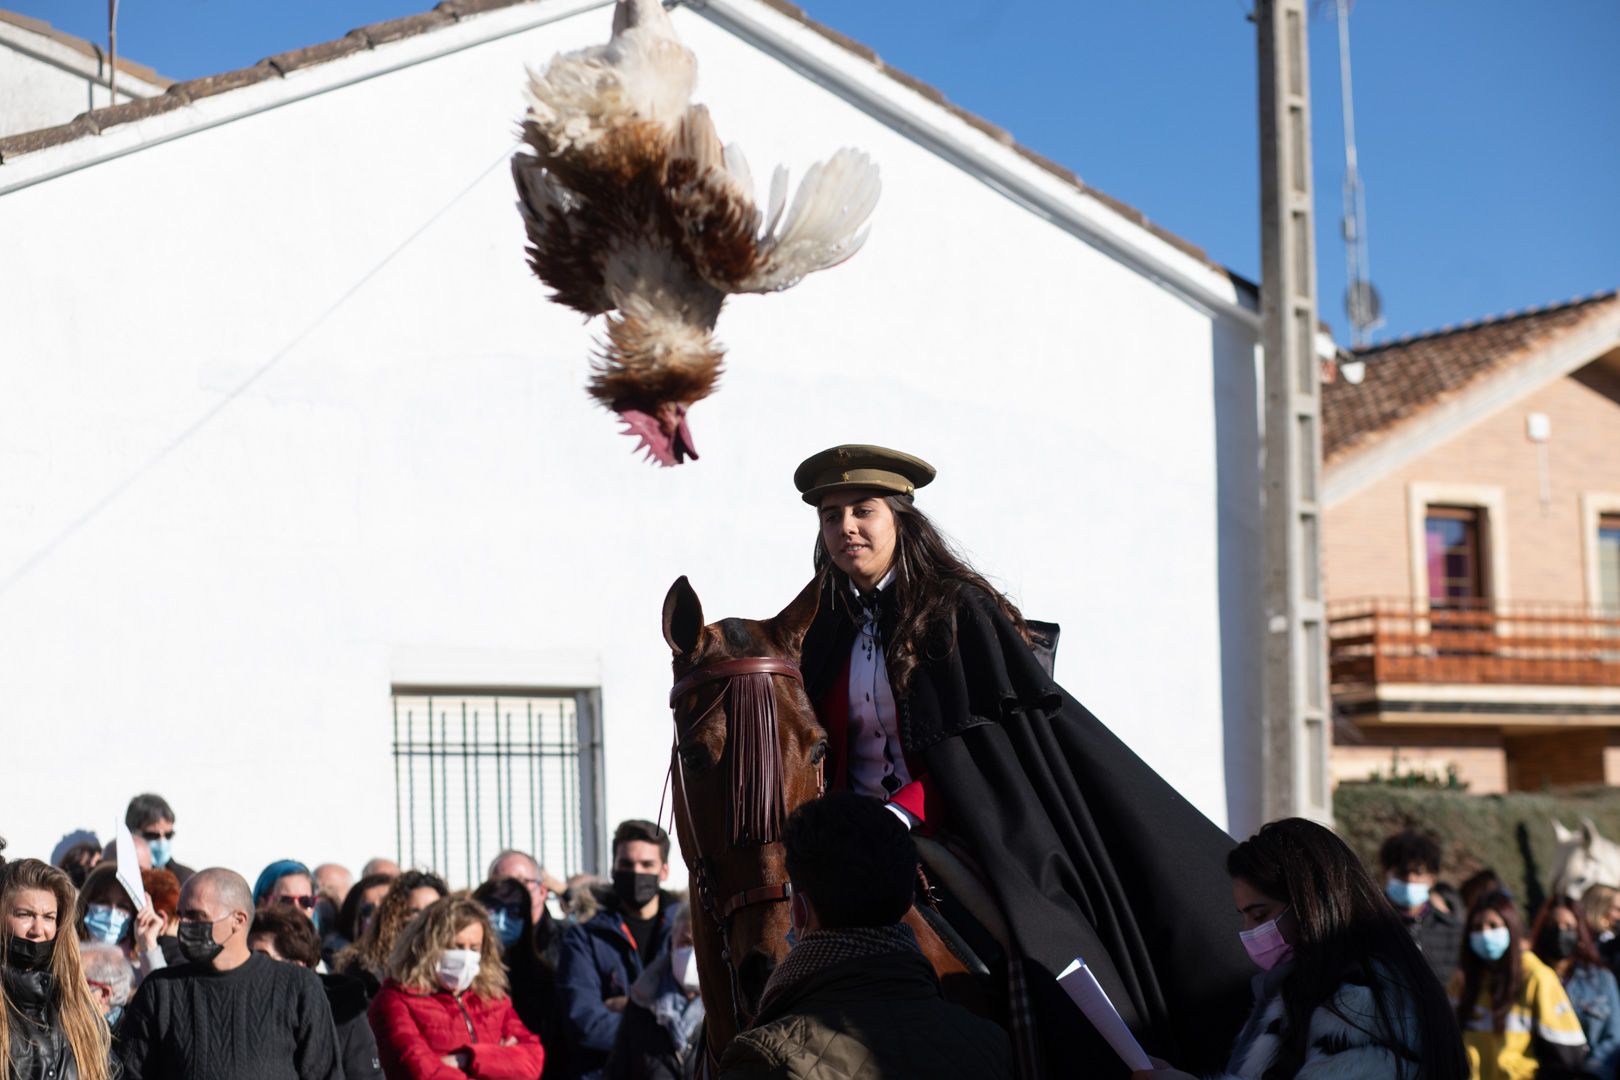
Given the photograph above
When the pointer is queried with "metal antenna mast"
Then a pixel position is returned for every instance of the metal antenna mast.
(1361, 301)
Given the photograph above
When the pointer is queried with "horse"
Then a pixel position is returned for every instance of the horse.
(1585, 858)
(747, 751)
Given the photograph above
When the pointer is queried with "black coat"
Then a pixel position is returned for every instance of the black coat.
(357, 1046)
(39, 1048)
(1090, 852)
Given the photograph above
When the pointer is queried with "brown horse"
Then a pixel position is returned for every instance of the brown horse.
(747, 752)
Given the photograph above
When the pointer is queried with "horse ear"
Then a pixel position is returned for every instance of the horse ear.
(793, 621)
(1561, 834)
(683, 617)
(1589, 832)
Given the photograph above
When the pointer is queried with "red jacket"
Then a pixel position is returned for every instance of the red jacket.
(414, 1030)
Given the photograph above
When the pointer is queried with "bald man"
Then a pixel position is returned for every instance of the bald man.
(380, 865)
(227, 1011)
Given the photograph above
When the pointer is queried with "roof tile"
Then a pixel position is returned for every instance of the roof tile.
(381, 33)
(352, 42)
(1412, 374)
(225, 81)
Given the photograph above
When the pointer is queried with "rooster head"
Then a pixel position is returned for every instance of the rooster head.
(663, 432)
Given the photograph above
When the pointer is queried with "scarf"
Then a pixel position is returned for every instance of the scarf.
(819, 950)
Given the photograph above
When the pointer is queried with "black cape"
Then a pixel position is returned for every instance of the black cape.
(1090, 851)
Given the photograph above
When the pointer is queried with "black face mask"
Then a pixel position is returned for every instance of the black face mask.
(1560, 944)
(25, 955)
(633, 889)
(197, 942)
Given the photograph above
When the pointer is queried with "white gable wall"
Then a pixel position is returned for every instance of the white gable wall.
(418, 490)
(45, 81)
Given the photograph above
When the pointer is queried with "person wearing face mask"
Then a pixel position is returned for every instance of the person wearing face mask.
(50, 1025)
(106, 914)
(1516, 1019)
(1343, 991)
(604, 953)
(151, 820)
(227, 1011)
(658, 1033)
(1431, 911)
(444, 1011)
(528, 953)
(1564, 942)
(111, 979)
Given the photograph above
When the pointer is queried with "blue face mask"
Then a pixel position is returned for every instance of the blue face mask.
(106, 923)
(161, 851)
(115, 1014)
(1490, 944)
(1406, 894)
(508, 926)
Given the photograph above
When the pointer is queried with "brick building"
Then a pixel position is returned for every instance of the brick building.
(1472, 550)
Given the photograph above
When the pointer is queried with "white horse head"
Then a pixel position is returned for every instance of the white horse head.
(1585, 858)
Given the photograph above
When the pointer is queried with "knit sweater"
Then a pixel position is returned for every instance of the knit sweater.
(262, 1020)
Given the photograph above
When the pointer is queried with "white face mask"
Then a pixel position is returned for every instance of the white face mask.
(683, 965)
(457, 969)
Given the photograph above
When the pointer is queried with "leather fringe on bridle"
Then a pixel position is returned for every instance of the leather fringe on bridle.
(756, 762)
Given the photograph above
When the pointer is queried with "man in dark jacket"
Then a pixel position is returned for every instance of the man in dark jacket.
(229, 1011)
(855, 999)
(602, 956)
(1432, 911)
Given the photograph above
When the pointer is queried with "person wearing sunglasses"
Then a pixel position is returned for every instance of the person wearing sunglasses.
(286, 881)
(150, 818)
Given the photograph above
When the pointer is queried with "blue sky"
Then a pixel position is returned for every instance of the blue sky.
(1489, 132)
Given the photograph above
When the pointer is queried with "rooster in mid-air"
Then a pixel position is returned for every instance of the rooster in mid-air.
(634, 210)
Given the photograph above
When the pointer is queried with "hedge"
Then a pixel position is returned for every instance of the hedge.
(1511, 834)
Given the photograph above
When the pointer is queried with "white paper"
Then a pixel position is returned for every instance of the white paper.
(129, 867)
(1084, 990)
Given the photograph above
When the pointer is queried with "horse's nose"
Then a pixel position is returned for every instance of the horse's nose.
(752, 975)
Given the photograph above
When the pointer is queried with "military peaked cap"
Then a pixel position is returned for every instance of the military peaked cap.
(845, 468)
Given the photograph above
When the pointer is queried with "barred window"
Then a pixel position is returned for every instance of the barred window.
(480, 770)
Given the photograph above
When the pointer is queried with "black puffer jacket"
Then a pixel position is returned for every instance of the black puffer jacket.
(39, 1050)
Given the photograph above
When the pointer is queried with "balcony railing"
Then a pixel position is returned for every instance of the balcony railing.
(1373, 641)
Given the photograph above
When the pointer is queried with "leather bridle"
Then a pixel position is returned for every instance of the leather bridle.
(723, 912)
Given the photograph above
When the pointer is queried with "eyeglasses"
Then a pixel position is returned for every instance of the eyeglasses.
(152, 835)
(305, 902)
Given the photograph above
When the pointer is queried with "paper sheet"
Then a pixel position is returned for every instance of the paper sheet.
(129, 868)
(1084, 990)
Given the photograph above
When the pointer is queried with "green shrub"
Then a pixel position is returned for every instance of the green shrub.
(1511, 834)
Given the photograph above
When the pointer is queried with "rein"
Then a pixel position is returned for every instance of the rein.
(757, 782)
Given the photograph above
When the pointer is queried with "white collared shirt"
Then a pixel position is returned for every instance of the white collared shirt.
(874, 721)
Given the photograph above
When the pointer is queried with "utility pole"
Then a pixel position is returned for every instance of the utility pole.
(1295, 732)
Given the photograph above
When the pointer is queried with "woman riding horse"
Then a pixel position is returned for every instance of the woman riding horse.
(924, 677)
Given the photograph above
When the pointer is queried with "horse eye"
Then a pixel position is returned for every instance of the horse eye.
(819, 752)
(695, 757)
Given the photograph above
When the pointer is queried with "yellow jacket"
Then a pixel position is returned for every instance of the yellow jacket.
(1542, 1012)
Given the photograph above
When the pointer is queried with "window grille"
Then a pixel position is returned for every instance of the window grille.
(478, 771)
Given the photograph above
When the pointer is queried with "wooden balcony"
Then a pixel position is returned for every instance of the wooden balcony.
(1378, 643)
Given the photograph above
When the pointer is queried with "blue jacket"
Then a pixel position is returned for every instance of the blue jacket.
(1596, 997)
(598, 960)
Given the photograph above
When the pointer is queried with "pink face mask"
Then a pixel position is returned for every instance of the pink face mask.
(1265, 944)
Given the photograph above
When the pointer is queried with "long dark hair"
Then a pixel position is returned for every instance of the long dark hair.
(1585, 948)
(348, 920)
(1346, 932)
(929, 576)
(1504, 977)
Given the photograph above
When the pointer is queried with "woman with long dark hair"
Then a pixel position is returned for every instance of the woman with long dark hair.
(50, 1023)
(1516, 1018)
(938, 698)
(1563, 941)
(409, 894)
(1343, 990)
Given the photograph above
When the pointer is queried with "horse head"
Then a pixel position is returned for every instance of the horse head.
(747, 752)
(1585, 858)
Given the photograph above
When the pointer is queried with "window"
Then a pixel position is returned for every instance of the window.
(1456, 568)
(479, 771)
(1608, 559)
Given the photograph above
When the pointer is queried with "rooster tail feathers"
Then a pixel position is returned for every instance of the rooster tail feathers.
(824, 224)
